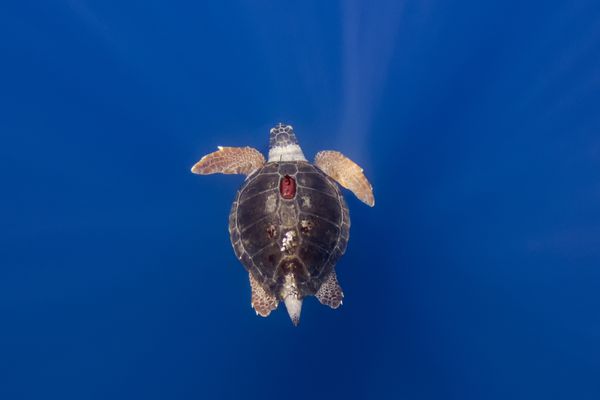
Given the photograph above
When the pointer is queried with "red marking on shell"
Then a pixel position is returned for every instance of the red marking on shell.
(287, 187)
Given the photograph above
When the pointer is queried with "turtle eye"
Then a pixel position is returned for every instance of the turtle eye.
(287, 187)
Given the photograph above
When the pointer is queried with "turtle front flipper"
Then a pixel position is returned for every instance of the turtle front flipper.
(262, 302)
(347, 173)
(230, 160)
(330, 293)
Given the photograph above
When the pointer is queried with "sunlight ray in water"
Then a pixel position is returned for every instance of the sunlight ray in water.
(369, 34)
(91, 20)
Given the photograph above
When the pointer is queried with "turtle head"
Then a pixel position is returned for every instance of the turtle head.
(283, 145)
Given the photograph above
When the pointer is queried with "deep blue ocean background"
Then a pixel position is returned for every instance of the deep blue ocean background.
(475, 276)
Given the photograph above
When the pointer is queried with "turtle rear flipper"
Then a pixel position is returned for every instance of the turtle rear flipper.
(262, 302)
(347, 173)
(330, 293)
(230, 160)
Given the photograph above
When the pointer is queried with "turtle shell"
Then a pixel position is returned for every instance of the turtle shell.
(289, 217)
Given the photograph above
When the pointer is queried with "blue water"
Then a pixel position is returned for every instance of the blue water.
(475, 276)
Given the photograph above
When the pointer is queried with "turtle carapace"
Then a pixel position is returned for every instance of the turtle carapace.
(289, 223)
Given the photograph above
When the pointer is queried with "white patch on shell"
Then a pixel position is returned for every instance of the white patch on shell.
(306, 226)
(289, 241)
(305, 201)
(291, 152)
(271, 203)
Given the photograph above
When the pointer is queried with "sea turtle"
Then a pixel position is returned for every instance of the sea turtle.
(289, 223)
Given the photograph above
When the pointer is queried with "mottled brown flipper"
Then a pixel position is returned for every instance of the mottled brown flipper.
(230, 160)
(262, 302)
(347, 173)
(330, 293)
